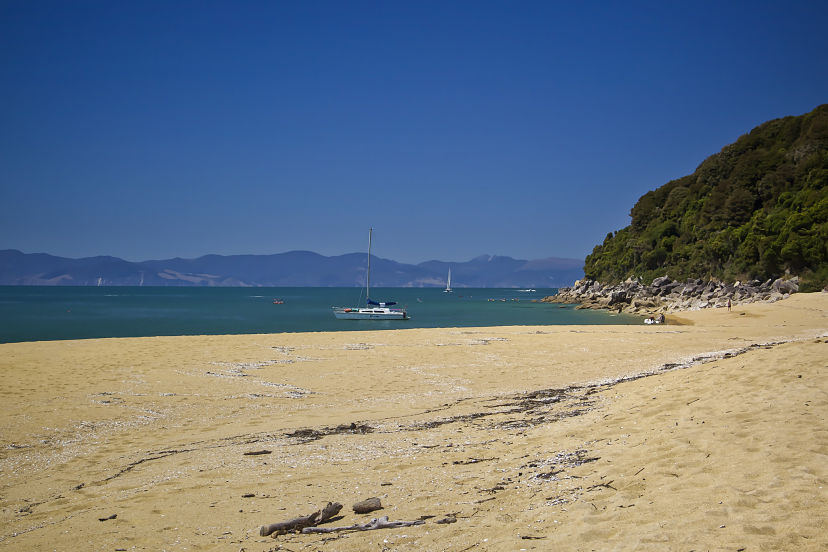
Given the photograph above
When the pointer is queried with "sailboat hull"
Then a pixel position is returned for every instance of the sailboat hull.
(382, 313)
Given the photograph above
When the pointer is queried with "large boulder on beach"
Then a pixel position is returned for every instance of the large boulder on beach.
(785, 286)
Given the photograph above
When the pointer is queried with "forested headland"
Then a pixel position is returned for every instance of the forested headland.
(758, 209)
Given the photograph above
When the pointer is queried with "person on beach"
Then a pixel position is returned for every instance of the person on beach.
(728, 305)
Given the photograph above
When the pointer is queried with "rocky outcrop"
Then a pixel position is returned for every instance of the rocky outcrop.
(665, 295)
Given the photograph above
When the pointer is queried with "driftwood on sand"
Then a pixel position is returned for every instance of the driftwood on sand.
(376, 523)
(257, 452)
(308, 524)
(300, 523)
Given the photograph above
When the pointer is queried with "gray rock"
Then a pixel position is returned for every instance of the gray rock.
(774, 296)
(785, 286)
(666, 289)
(660, 281)
(690, 289)
(664, 295)
(618, 297)
(368, 505)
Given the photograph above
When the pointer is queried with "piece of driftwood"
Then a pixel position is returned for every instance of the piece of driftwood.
(257, 452)
(368, 505)
(376, 523)
(300, 523)
(607, 485)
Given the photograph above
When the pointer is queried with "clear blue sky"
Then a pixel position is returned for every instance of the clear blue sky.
(154, 129)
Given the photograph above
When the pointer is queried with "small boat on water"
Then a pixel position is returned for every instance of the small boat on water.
(278, 302)
(374, 310)
(448, 283)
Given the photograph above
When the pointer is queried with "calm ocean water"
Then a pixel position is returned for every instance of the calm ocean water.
(49, 313)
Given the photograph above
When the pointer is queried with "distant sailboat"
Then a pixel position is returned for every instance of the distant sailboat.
(448, 283)
(374, 310)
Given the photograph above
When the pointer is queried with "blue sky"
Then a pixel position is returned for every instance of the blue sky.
(149, 130)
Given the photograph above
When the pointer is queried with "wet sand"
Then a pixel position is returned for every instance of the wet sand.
(709, 435)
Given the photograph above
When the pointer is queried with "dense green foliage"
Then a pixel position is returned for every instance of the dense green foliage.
(755, 210)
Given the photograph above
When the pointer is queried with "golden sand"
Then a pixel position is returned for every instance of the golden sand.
(529, 438)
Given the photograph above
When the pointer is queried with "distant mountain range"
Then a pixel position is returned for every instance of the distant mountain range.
(294, 268)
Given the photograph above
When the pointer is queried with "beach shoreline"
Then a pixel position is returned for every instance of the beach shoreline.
(708, 434)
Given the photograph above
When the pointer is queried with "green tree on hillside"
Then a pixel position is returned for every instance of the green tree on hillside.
(756, 210)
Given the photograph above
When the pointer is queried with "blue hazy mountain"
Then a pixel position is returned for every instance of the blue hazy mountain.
(294, 268)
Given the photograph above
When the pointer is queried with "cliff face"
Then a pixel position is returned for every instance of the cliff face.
(756, 210)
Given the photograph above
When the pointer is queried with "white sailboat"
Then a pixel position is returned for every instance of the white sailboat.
(448, 283)
(374, 310)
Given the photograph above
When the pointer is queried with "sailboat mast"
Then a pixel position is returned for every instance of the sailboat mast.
(368, 276)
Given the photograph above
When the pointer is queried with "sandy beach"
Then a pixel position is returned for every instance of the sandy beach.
(708, 433)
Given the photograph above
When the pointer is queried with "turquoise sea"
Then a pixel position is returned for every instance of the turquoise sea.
(49, 313)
